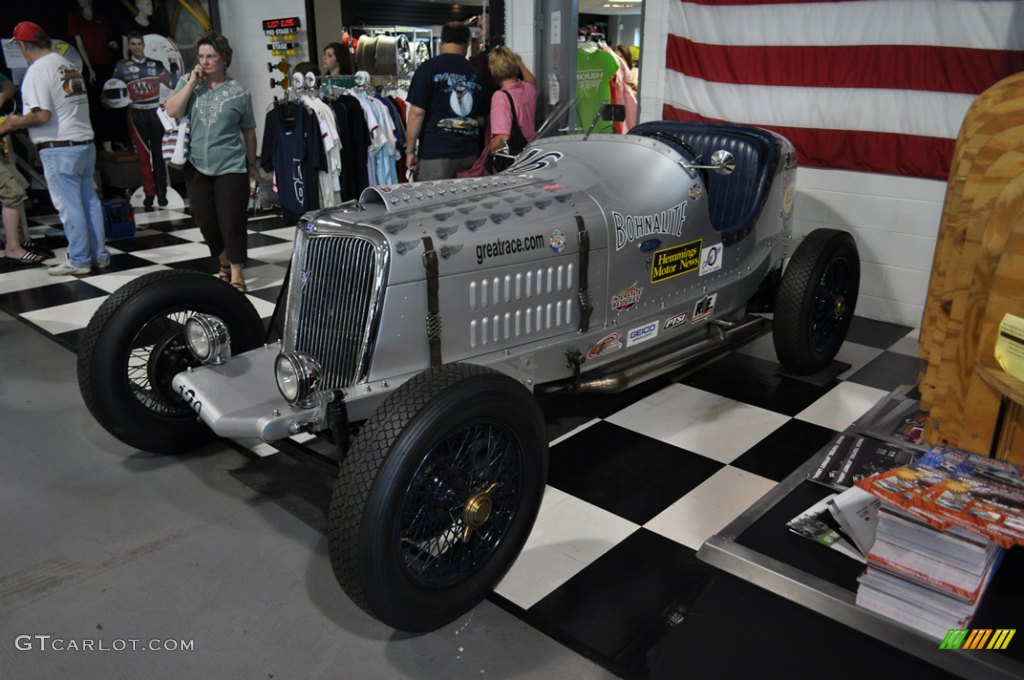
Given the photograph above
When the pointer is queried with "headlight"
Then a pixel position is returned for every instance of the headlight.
(208, 339)
(297, 376)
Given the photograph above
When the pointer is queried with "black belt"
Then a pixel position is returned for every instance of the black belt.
(57, 145)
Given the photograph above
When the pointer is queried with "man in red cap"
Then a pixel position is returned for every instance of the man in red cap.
(56, 113)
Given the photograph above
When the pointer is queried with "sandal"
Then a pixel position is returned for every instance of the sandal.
(239, 286)
(225, 273)
(30, 258)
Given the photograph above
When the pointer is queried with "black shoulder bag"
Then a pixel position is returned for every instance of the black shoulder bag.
(516, 141)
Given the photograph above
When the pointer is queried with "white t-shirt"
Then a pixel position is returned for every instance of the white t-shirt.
(54, 84)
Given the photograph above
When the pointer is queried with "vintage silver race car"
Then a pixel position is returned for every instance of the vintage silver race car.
(421, 320)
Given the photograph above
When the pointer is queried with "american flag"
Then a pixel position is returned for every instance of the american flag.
(871, 85)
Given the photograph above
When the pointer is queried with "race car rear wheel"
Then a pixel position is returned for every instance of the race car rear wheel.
(815, 302)
(134, 345)
(437, 495)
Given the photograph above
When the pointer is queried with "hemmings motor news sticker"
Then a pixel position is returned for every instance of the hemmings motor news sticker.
(627, 297)
(675, 260)
(711, 259)
(642, 334)
(704, 308)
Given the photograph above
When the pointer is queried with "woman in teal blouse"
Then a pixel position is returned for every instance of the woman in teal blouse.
(222, 153)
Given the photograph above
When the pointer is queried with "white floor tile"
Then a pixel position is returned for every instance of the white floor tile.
(908, 344)
(699, 421)
(569, 534)
(762, 347)
(176, 253)
(64, 318)
(263, 308)
(858, 356)
(286, 233)
(841, 405)
(707, 509)
(279, 252)
(159, 216)
(194, 235)
(264, 276)
(114, 280)
(23, 279)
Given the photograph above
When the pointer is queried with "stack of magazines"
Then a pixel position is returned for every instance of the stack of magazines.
(943, 527)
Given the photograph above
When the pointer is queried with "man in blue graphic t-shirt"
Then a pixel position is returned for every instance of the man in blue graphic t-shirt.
(445, 110)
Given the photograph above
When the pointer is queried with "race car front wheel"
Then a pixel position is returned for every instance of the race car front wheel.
(437, 495)
(815, 301)
(134, 345)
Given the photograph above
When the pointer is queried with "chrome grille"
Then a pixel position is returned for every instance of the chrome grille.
(336, 294)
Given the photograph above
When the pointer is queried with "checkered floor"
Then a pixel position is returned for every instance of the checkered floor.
(637, 480)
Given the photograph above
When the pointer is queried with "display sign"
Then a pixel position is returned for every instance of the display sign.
(289, 25)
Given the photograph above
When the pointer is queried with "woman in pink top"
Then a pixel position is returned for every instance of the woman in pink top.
(512, 76)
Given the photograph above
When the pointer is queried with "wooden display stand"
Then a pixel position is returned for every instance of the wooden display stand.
(977, 277)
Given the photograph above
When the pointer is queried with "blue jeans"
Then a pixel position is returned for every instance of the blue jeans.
(68, 172)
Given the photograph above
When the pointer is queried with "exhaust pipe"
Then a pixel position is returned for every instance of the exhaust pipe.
(724, 335)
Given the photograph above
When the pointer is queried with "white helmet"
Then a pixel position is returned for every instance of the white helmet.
(115, 94)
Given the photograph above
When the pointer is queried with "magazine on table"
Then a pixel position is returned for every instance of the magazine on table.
(899, 420)
(948, 487)
(849, 458)
(817, 524)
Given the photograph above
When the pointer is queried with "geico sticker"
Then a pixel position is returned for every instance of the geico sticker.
(642, 334)
(710, 259)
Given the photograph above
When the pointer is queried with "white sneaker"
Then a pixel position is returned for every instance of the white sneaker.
(103, 264)
(66, 269)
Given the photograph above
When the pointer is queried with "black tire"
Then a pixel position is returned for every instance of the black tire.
(404, 490)
(815, 302)
(133, 346)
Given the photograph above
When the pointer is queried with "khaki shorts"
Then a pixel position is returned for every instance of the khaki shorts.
(12, 185)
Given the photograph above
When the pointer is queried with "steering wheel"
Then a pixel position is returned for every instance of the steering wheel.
(676, 139)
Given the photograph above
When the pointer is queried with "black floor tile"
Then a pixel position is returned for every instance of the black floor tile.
(784, 450)
(70, 339)
(148, 242)
(171, 226)
(874, 333)
(624, 472)
(625, 601)
(888, 370)
(737, 630)
(207, 264)
(120, 262)
(276, 222)
(755, 381)
(21, 301)
(257, 240)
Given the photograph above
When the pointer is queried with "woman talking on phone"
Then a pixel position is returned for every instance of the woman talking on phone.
(222, 153)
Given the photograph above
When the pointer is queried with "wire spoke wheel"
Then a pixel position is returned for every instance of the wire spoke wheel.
(437, 495)
(451, 522)
(156, 354)
(134, 346)
(831, 311)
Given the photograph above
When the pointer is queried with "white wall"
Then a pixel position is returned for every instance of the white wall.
(895, 221)
(520, 30)
(242, 24)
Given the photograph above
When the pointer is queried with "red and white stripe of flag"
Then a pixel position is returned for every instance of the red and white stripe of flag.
(873, 85)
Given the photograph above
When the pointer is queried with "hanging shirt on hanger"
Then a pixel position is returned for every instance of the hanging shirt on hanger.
(594, 72)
